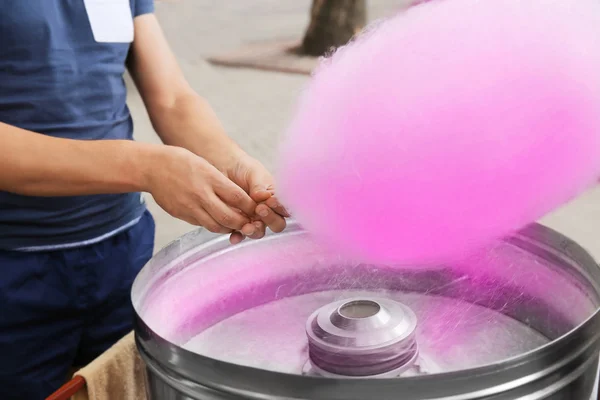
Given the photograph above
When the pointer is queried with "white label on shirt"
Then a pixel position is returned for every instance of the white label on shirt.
(111, 20)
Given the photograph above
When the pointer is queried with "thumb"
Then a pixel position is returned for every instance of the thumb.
(261, 186)
(260, 193)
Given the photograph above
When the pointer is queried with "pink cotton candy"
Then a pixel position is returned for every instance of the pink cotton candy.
(447, 126)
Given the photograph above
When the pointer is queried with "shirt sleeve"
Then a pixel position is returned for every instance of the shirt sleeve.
(143, 7)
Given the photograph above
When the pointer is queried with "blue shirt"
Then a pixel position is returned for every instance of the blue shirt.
(55, 79)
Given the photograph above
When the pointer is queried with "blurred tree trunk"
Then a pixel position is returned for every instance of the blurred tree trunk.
(332, 24)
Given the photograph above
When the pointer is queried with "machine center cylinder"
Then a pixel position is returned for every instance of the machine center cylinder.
(362, 337)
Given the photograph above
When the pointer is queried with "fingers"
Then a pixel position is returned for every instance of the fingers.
(270, 218)
(223, 214)
(271, 214)
(235, 196)
(260, 193)
(202, 218)
(220, 217)
(230, 206)
(276, 206)
(236, 237)
(260, 183)
(253, 230)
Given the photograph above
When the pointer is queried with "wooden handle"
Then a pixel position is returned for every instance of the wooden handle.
(67, 390)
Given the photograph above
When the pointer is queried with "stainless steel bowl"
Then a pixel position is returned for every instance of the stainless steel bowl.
(281, 318)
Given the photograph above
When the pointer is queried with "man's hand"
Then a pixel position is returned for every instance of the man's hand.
(237, 199)
(253, 177)
(189, 188)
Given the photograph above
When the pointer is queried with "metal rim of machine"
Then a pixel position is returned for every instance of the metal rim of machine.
(566, 359)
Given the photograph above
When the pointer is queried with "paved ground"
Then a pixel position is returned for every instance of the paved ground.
(255, 105)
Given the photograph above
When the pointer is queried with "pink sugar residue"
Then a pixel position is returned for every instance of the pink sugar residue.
(447, 126)
(501, 278)
(227, 284)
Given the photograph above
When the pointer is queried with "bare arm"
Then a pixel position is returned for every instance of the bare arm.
(32, 164)
(182, 118)
(38, 165)
(179, 115)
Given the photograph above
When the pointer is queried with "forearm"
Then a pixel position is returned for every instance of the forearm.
(39, 165)
(191, 123)
(179, 115)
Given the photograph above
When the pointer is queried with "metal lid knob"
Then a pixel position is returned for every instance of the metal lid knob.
(362, 337)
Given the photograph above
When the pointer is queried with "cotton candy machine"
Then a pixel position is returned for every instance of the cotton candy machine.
(281, 318)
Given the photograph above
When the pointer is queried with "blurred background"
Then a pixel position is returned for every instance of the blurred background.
(254, 92)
